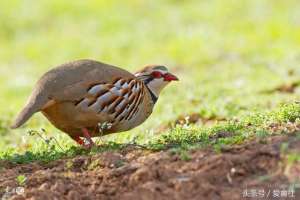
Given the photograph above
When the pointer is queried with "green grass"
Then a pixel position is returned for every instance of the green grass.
(225, 53)
(179, 139)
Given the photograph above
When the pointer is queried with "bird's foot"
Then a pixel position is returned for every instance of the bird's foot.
(87, 142)
(87, 146)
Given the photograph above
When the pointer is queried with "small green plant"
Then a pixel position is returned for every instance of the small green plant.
(293, 158)
(48, 141)
(185, 156)
(119, 163)
(21, 179)
(261, 134)
(94, 164)
(69, 164)
(218, 148)
(284, 147)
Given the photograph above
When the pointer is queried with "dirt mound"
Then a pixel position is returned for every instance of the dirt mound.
(139, 174)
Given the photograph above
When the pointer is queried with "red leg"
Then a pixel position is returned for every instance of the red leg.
(87, 136)
(78, 140)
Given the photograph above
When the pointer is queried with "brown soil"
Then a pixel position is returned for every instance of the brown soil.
(139, 174)
(285, 88)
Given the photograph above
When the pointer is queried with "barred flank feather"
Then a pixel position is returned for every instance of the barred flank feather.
(120, 99)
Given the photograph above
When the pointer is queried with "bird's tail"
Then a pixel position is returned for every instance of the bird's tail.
(23, 116)
(35, 103)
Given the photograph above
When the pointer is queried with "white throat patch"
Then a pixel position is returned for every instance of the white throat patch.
(156, 85)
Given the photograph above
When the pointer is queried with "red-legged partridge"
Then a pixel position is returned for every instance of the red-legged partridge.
(86, 98)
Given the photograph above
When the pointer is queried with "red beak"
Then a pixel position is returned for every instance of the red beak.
(170, 77)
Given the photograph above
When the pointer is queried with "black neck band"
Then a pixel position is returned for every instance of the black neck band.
(146, 81)
(153, 97)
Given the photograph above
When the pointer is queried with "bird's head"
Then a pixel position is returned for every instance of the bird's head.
(156, 77)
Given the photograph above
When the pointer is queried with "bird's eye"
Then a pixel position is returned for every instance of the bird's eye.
(156, 74)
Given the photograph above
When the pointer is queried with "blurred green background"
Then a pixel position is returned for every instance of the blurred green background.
(225, 53)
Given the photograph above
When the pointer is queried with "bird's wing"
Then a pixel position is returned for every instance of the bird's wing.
(120, 98)
(72, 80)
(68, 82)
